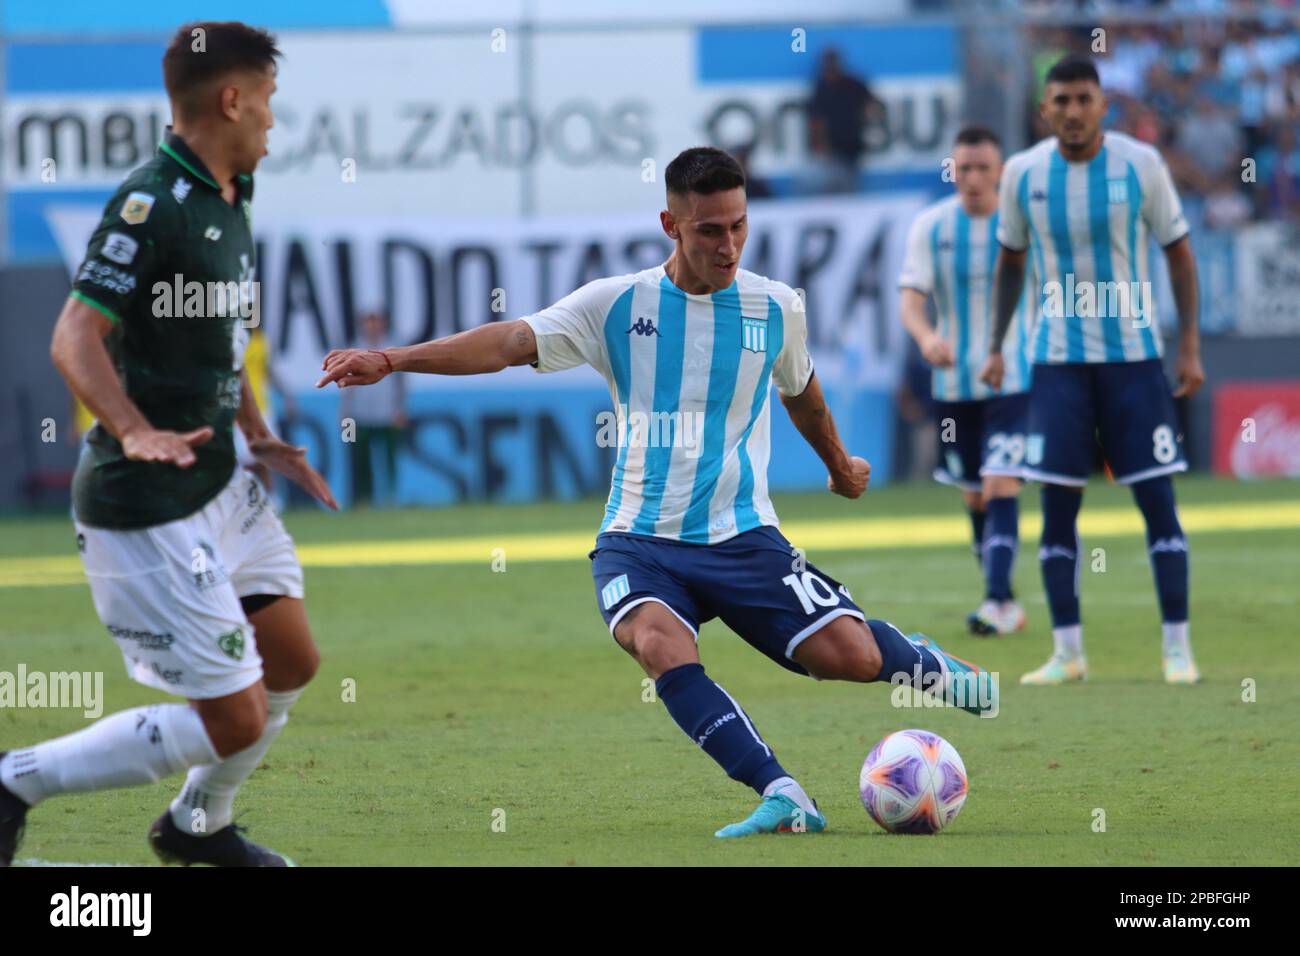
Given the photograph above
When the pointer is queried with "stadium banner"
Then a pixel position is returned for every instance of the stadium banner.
(486, 436)
(461, 123)
(1257, 429)
(1268, 276)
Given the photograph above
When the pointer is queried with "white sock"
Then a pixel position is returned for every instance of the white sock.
(787, 786)
(1068, 641)
(1177, 639)
(126, 749)
(212, 787)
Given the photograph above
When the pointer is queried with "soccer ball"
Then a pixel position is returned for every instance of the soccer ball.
(913, 781)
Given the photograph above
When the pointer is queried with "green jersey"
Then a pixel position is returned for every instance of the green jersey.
(171, 264)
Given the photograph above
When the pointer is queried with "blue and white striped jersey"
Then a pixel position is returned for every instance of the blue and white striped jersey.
(690, 376)
(1088, 226)
(950, 257)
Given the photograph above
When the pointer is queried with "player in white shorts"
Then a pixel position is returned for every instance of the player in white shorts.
(190, 569)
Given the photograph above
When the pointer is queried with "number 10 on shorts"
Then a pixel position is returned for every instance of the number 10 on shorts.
(811, 591)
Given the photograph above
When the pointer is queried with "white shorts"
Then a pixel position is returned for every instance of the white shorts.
(170, 594)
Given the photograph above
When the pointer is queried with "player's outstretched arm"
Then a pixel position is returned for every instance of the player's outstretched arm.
(1182, 276)
(1009, 279)
(78, 352)
(808, 410)
(488, 348)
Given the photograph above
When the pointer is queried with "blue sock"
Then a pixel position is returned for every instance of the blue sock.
(708, 715)
(899, 656)
(1000, 547)
(977, 519)
(1166, 545)
(1058, 553)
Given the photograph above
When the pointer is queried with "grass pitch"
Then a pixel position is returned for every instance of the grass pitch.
(486, 697)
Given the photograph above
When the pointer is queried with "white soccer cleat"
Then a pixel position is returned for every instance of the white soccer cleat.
(1058, 670)
(996, 617)
(1181, 669)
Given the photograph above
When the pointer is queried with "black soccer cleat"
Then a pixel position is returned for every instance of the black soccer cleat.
(13, 817)
(226, 847)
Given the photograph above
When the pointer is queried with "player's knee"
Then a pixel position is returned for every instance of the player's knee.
(236, 725)
(302, 669)
(659, 649)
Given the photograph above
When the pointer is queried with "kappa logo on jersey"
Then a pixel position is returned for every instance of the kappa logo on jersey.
(119, 247)
(753, 334)
(181, 188)
(1038, 195)
(136, 208)
(643, 326)
(615, 591)
(212, 232)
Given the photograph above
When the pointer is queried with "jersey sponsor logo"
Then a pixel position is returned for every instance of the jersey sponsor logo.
(169, 675)
(136, 208)
(753, 334)
(643, 326)
(119, 247)
(232, 643)
(615, 591)
(181, 188)
(1117, 190)
(107, 277)
(145, 640)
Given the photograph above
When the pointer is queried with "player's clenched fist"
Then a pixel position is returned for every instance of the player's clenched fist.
(851, 483)
(354, 367)
(993, 371)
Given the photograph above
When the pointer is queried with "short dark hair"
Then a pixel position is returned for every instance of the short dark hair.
(206, 50)
(704, 170)
(1073, 67)
(973, 134)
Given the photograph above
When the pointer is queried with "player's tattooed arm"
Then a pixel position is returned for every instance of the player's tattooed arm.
(77, 351)
(848, 474)
(1009, 278)
(1182, 277)
(488, 348)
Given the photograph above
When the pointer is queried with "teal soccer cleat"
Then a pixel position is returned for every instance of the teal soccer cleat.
(966, 685)
(776, 814)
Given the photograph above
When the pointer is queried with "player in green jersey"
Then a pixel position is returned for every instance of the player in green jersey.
(191, 570)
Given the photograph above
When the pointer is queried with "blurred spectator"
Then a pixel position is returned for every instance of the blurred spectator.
(838, 113)
(379, 412)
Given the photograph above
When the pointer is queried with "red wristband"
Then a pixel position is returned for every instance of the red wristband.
(384, 356)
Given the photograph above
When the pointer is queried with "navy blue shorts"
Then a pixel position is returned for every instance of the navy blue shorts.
(756, 583)
(1126, 406)
(984, 437)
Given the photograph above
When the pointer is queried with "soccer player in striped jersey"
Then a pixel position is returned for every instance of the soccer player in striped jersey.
(1084, 204)
(690, 350)
(951, 250)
